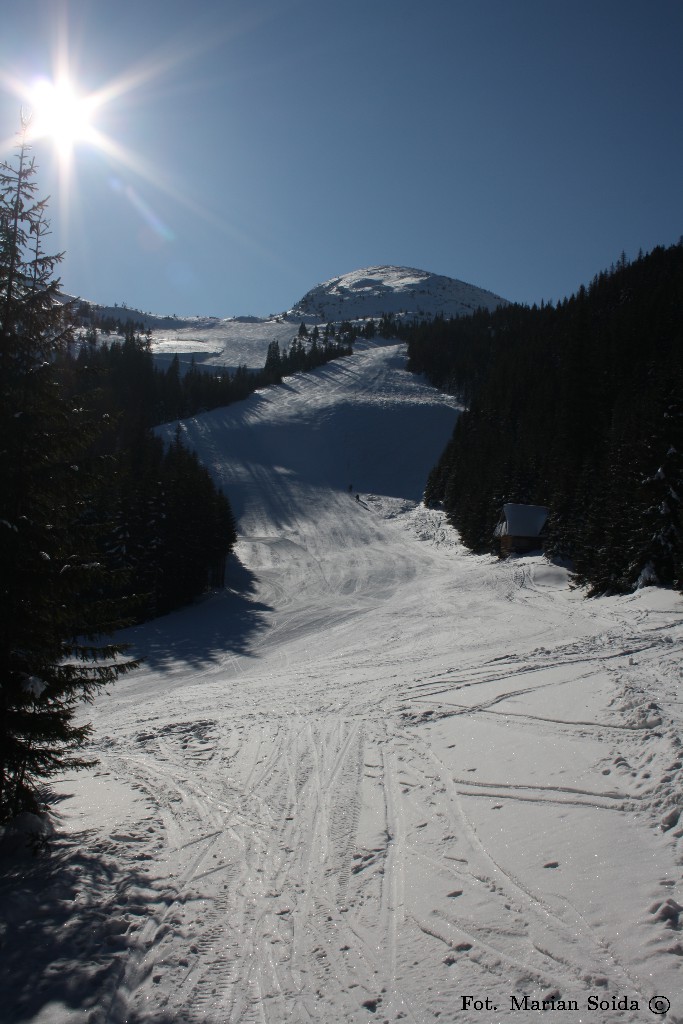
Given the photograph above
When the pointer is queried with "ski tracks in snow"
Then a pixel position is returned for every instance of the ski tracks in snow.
(283, 911)
(331, 867)
(425, 775)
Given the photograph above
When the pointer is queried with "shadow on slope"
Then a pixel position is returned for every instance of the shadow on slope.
(221, 625)
(389, 449)
(63, 942)
(369, 441)
(362, 420)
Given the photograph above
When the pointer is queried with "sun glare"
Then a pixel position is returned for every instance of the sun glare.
(60, 114)
(57, 115)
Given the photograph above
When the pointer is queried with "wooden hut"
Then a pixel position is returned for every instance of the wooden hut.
(520, 528)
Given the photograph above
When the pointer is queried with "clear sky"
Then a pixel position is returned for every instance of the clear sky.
(246, 150)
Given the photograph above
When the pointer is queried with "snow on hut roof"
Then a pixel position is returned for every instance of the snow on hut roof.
(522, 520)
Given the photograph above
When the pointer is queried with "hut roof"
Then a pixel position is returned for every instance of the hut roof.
(522, 520)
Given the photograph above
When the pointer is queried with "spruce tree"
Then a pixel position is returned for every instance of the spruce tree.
(272, 370)
(56, 600)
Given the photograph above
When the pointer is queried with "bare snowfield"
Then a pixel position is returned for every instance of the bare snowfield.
(214, 343)
(378, 778)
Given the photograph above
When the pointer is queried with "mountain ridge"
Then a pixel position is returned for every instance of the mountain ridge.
(406, 292)
(365, 293)
(213, 342)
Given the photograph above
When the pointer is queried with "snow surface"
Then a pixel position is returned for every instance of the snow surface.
(376, 775)
(222, 343)
(404, 291)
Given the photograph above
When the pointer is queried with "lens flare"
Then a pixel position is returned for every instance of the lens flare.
(61, 117)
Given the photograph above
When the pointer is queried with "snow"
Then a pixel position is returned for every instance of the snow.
(375, 776)
(34, 686)
(403, 291)
(222, 343)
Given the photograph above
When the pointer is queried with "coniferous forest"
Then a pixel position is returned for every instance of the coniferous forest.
(577, 406)
(167, 530)
(100, 524)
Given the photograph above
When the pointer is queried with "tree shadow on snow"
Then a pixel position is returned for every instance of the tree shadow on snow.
(222, 625)
(64, 939)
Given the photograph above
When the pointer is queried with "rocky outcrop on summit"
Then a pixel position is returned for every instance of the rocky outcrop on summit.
(404, 292)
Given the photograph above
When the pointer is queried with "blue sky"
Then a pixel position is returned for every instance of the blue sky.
(263, 146)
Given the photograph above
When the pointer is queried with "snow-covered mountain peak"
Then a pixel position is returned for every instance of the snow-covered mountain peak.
(403, 291)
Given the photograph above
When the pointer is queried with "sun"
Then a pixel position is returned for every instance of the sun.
(59, 113)
(58, 117)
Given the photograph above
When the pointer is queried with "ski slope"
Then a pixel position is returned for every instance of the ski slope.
(378, 778)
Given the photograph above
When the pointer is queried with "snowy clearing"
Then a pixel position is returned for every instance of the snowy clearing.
(378, 777)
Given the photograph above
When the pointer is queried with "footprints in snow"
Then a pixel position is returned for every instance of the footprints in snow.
(658, 785)
(668, 915)
(462, 947)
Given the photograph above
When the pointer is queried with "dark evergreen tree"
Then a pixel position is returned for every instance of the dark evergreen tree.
(272, 370)
(173, 397)
(56, 600)
(197, 530)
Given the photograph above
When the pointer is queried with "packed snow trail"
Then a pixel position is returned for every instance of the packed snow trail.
(380, 778)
